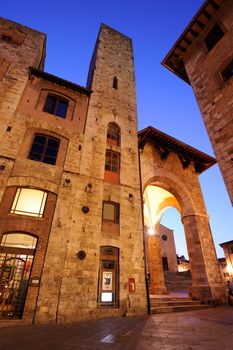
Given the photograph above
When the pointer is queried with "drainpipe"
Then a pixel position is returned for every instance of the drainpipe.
(144, 239)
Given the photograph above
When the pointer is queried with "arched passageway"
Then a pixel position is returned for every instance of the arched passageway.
(169, 171)
(162, 258)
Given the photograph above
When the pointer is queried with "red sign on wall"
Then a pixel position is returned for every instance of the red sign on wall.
(132, 286)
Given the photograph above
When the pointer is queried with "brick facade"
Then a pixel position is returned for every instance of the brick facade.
(202, 68)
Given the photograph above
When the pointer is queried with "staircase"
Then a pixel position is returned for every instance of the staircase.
(177, 284)
(166, 304)
(177, 280)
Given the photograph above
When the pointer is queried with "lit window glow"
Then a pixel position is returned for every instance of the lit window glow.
(106, 297)
(29, 202)
(19, 240)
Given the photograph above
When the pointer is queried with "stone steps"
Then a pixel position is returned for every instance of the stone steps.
(179, 308)
(177, 280)
(174, 304)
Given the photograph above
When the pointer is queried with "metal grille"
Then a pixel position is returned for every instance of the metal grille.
(15, 269)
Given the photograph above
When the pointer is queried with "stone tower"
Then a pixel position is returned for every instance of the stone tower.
(112, 107)
(202, 56)
(100, 268)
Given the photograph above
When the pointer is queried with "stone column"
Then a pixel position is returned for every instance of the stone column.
(157, 285)
(207, 284)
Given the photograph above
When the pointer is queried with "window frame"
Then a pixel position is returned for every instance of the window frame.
(116, 206)
(229, 67)
(56, 105)
(16, 199)
(44, 154)
(210, 43)
(113, 138)
(109, 161)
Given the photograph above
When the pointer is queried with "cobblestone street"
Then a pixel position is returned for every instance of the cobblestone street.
(195, 330)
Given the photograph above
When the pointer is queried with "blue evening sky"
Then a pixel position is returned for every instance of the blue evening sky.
(164, 101)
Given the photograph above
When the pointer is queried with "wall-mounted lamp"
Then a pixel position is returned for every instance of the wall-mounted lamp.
(67, 183)
(131, 197)
(89, 187)
(151, 231)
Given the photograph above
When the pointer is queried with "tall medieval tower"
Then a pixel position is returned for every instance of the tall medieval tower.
(101, 261)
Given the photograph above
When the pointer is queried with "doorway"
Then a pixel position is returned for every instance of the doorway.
(17, 252)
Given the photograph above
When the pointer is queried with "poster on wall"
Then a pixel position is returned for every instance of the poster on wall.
(107, 280)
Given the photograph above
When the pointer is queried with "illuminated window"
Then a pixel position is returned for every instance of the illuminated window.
(213, 37)
(29, 202)
(111, 211)
(19, 240)
(109, 277)
(56, 105)
(44, 149)
(113, 134)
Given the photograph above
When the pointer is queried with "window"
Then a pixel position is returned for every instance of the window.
(44, 149)
(112, 161)
(56, 105)
(111, 211)
(6, 38)
(115, 83)
(29, 202)
(113, 134)
(16, 259)
(19, 240)
(213, 37)
(227, 72)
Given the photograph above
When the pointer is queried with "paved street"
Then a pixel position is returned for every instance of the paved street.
(193, 330)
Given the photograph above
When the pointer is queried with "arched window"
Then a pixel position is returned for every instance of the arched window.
(113, 134)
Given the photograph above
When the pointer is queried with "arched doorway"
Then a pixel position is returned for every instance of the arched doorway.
(17, 252)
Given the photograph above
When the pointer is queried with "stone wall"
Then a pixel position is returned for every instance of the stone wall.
(184, 185)
(214, 96)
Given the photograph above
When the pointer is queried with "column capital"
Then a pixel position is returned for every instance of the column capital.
(201, 215)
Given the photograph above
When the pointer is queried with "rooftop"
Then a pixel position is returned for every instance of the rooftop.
(225, 243)
(59, 81)
(173, 61)
(166, 144)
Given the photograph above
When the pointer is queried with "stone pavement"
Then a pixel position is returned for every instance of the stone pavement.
(195, 330)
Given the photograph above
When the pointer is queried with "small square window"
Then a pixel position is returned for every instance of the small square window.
(227, 72)
(111, 211)
(56, 105)
(29, 202)
(213, 37)
(44, 149)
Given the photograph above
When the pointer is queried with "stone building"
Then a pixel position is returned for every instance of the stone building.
(72, 186)
(224, 269)
(228, 252)
(168, 249)
(202, 57)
